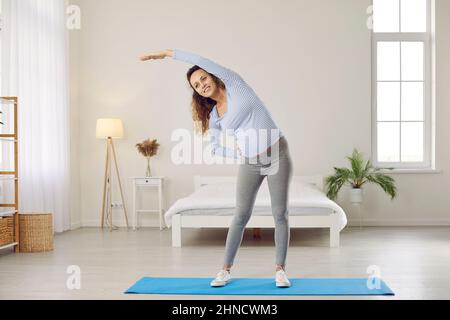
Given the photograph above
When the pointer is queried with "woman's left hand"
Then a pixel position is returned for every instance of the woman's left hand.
(157, 55)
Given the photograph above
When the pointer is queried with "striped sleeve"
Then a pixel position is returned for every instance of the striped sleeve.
(216, 146)
(212, 67)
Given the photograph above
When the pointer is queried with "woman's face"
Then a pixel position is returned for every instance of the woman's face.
(203, 83)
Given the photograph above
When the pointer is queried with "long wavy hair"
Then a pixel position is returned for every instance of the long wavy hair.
(201, 106)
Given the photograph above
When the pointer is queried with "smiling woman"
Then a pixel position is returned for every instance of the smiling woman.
(222, 100)
(229, 104)
(209, 93)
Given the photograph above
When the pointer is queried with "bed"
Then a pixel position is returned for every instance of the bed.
(212, 204)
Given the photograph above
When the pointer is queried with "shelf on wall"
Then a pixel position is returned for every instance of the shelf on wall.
(8, 213)
(12, 208)
(8, 178)
(6, 246)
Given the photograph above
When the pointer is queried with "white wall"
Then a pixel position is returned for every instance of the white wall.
(309, 61)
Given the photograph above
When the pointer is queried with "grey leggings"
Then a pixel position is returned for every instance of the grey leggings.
(276, 164)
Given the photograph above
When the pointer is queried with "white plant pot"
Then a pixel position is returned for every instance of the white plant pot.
(356, 196)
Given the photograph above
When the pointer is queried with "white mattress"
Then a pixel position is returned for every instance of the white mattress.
(259, 211)
(220, 199)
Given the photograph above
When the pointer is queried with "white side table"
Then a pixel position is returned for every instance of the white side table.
(154, 181)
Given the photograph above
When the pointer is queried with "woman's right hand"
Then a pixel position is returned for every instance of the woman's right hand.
(157, 55)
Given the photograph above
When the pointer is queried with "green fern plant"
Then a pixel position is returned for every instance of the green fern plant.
(358, 175)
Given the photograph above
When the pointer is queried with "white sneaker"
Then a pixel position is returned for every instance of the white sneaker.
(222, 279)
(281, 279)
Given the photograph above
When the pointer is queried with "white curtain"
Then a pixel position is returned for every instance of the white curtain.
(35, 68)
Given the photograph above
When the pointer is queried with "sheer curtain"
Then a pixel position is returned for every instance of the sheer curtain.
(35, 68)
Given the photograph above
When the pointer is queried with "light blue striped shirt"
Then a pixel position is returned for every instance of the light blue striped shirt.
(246, 117)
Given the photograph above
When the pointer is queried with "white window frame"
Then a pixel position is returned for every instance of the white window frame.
(428, 137)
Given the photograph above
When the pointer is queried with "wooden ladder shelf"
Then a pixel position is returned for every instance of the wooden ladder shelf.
(11, 175)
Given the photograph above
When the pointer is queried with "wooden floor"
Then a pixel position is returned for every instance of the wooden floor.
(414, 261)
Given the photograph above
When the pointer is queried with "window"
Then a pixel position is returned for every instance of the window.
(401, 85)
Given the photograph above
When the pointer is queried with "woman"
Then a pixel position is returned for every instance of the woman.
(222, 100)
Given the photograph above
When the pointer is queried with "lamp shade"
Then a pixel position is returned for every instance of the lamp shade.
(109, 128)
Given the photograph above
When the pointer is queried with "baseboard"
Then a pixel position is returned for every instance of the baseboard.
(399, 222)
(351, 223)
(75, 225)
(120, 224)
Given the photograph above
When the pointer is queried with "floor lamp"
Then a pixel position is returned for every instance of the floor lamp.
(110, 129)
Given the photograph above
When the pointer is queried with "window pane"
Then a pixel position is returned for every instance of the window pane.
(388, 101)
(412, 142)
(412, 101)
(412, 61)
(386, 16)
(414, 16)
(388, 142)
(388, 60)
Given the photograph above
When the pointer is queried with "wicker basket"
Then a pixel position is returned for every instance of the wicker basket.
(36, 232)
(6, 230)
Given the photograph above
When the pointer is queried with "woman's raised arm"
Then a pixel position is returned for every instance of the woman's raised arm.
(212, 67)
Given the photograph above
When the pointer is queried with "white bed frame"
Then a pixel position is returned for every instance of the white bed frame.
(256, 221)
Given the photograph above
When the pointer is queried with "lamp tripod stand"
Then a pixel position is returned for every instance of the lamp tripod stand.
(107, 187)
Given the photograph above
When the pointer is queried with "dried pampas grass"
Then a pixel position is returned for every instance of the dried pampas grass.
(148, 148)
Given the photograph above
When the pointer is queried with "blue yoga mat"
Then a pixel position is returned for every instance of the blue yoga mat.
(255, 287)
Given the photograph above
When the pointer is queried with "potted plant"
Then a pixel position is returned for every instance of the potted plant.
(357, 176)
(148, 148)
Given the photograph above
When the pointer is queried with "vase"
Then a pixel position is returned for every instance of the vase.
(148, 173)
(356, 198)
(356, 195)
